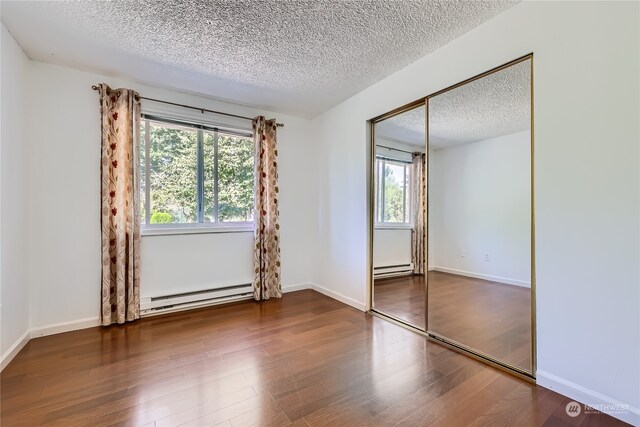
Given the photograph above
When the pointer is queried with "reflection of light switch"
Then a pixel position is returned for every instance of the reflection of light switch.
(487, 257)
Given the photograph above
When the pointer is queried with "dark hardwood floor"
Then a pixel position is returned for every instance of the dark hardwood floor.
(402, 297)
(491, 317)
(303, 360)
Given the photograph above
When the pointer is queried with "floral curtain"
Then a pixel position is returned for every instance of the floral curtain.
(120, 111)
(267, 226)
(418, 236)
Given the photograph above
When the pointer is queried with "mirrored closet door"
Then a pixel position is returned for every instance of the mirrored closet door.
(480, 213)
(399, 215)
(452, 216)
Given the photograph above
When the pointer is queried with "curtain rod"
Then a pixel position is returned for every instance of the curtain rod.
(94, 87)
(397, 149)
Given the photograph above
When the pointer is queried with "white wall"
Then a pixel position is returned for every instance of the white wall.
(64, 216)
(391, 247)
(586, 182)
(480, 204)
(194, 262)
(14, 293)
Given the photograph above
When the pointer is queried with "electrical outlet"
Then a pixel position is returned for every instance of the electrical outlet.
(487, 257)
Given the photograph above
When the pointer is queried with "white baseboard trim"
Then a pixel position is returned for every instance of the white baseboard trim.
(498, 279)
(599, 401)
(338, 296)
(90, 322)
(295, 287)
(14, 350)
(59, 328)
(331, 294)
(43, 331)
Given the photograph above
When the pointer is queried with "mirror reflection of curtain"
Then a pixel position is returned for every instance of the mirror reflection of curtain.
(418, 212)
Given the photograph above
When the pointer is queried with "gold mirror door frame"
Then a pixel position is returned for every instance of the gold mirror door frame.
(487, 358)
(386, 130)
(484, 356)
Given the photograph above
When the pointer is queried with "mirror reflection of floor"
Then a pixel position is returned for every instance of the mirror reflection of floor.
(491, 317)
(401, 297)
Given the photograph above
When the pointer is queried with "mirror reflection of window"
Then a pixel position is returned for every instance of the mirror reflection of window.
(399, 222)
(393, 191)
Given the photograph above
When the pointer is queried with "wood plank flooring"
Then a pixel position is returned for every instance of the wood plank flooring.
(488, 316)
(402, 297)
(303, 360)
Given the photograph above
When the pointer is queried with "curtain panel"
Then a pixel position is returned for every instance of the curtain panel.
(267, 281)
(120, 205)
(418, 236)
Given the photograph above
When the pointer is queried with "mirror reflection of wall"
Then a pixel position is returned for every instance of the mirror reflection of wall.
(399, 217)
(480, 215)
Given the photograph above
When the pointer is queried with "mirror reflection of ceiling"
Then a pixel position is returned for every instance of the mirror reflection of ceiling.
(408, 127)
(495, 105)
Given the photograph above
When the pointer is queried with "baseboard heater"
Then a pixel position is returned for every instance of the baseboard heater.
(175, 302)
(393, 270)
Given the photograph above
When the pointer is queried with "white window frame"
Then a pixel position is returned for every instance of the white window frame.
(148, 229)
(408, 195)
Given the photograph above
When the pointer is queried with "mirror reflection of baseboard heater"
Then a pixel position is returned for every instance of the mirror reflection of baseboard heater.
(393, 270)
(182, 301)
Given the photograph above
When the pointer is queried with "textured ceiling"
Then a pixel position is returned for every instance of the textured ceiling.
(407, 127)
(298, 56)
(495, 105)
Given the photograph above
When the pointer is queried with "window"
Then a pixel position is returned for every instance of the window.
(192, 174)
(393, 194)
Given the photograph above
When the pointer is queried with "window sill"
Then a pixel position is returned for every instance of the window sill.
(197, 229)
(393, 227)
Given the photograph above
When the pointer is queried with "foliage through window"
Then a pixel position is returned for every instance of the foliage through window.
(393, 196)
(192, 174)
